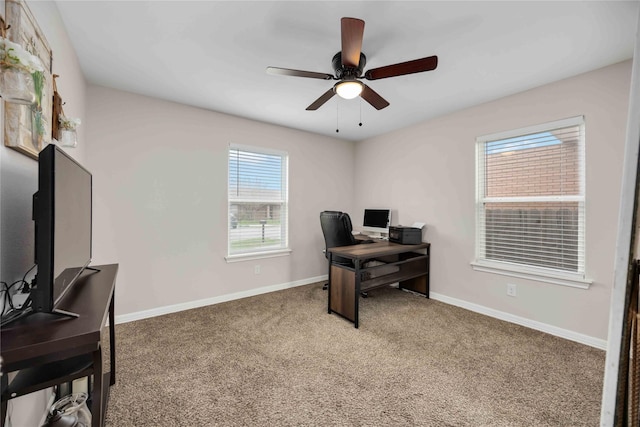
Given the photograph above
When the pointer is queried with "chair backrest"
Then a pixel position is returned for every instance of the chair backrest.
(336, 227)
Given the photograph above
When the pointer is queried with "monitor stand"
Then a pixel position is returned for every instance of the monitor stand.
(56, 314)
(63, 313)
(378, 235)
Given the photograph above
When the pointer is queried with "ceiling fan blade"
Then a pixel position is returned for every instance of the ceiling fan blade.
(298, 73)
(320, 101)
(373, 98)
(409, 67)
(352, 31)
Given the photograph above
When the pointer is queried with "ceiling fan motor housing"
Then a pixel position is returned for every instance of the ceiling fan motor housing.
(348, 73)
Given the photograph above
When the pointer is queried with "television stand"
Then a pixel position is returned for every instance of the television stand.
(44, 354)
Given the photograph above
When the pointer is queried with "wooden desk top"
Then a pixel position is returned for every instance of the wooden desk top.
(372, 250)
(41, 334)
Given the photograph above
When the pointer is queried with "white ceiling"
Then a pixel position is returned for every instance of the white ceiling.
(213, 54)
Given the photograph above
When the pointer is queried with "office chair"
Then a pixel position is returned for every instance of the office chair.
(336, 228)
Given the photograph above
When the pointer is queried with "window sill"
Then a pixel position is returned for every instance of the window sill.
(531, 273)
(257, 255)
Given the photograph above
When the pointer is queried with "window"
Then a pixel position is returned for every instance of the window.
(257, 201)
(530, 212)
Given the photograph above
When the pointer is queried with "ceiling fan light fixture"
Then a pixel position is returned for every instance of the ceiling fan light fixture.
(349, 89)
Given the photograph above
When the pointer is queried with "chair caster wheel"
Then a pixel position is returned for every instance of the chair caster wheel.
(325, 287)
(364, 295)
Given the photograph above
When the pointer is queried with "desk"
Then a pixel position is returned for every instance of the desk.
(48, 351)
(406, 264)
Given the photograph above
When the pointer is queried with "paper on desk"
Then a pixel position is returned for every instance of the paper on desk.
(418, 224)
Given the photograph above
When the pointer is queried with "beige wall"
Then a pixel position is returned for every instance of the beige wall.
(19, 173)
(430, 177)
(160, 185)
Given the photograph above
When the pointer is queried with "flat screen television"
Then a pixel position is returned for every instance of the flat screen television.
(62, 210)
(376, 221)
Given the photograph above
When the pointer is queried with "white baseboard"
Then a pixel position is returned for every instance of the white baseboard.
(539, 326)
(145, 314)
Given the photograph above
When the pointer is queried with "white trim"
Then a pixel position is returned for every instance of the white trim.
(258, 148)
(545, 274)
(540, 275)
(159, 311)
(544, 127)
(273, 201)
(623, 251)
(283, 201)
(533, 199)
(257, 255)
(522, 321)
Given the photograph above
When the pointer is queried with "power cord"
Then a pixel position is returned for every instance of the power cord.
(9, 310)
(25, 287)
(8, 298)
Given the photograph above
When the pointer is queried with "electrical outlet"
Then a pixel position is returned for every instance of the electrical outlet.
(256, 269)
(511, 290)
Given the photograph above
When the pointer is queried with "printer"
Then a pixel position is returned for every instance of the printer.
(405, 235)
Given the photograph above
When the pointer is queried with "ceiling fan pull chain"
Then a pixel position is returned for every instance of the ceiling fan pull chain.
(360, 124)
(337, 115)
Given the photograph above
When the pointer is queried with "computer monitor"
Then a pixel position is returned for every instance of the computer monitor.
(376, 221)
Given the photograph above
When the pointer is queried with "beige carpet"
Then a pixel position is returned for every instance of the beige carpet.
(280, 360)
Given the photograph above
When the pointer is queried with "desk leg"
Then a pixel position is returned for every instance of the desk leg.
(329, 259)
(428, 278)
(96, 404)
(5, 383)
(356, 299)
(112, 339)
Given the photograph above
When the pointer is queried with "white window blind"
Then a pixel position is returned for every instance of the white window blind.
(257, 200)
(531, 198)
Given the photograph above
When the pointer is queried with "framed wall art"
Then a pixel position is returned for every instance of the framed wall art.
(27, 128)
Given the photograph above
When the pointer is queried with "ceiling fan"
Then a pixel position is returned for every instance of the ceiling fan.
(349, 65)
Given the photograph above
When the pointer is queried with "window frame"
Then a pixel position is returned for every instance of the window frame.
(577, 279)
(260, 253)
